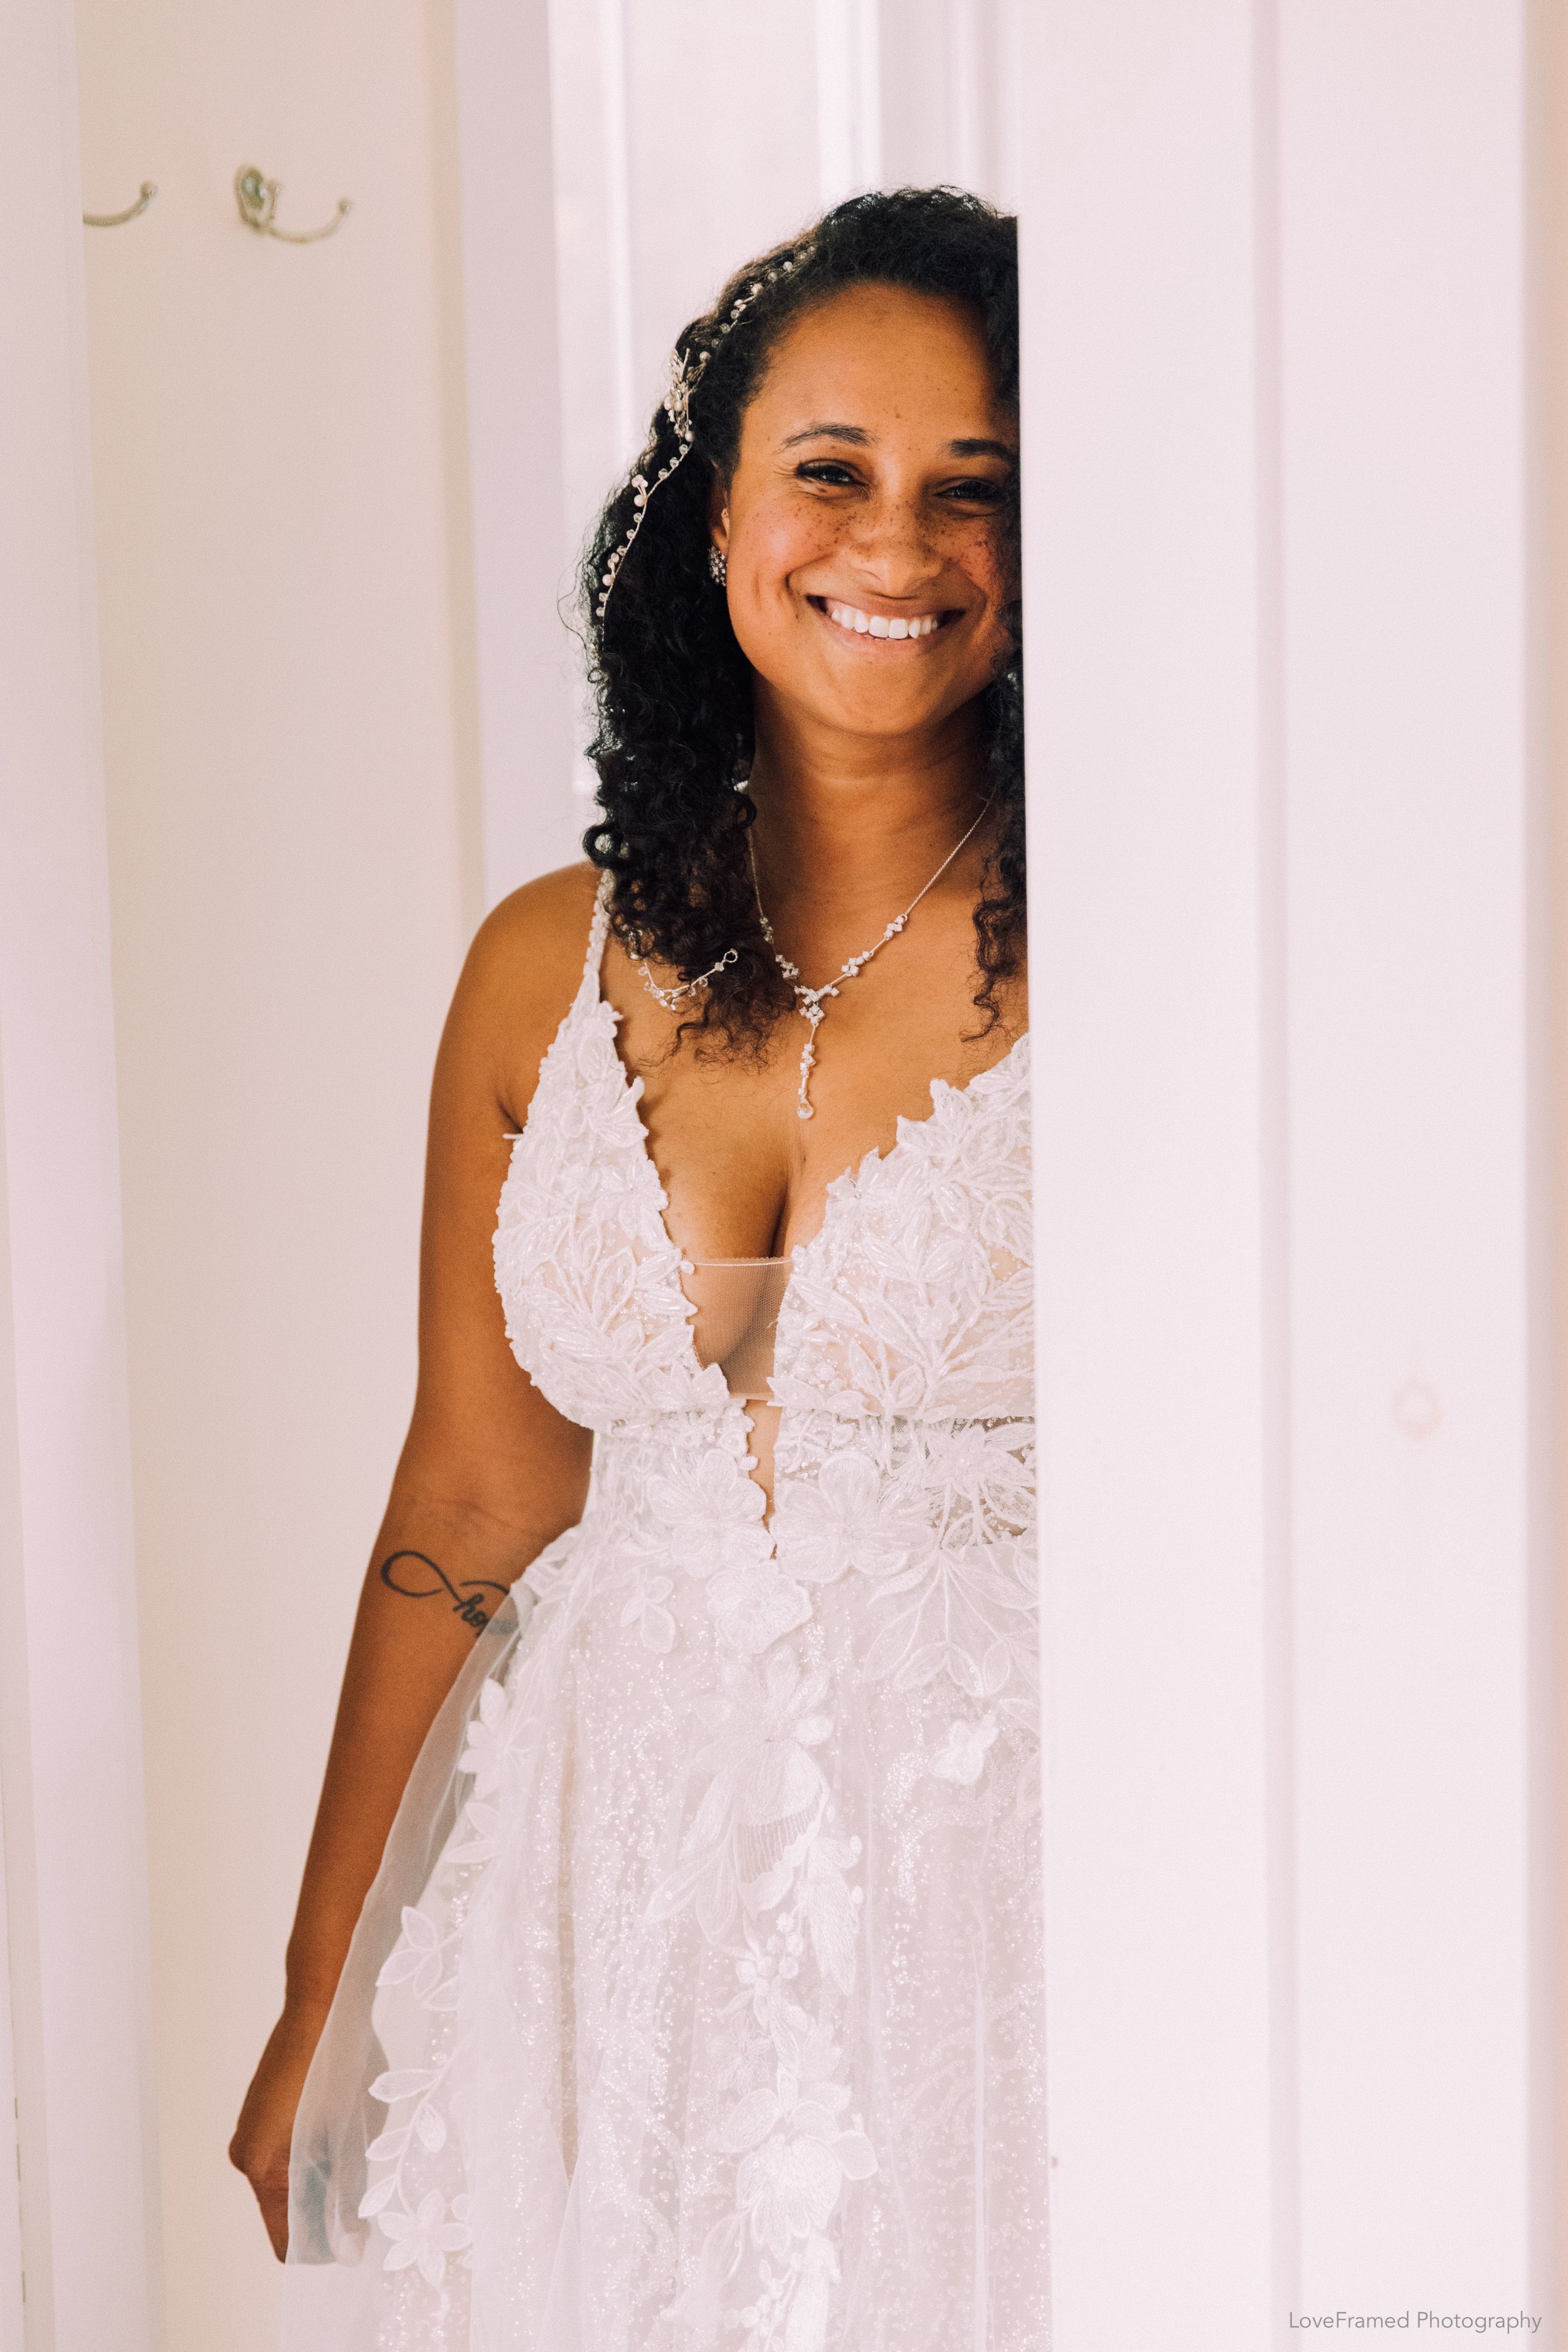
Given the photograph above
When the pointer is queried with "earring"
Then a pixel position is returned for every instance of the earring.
(716, 565)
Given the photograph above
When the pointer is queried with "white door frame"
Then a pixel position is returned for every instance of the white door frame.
(532, 821)
(1284, 976)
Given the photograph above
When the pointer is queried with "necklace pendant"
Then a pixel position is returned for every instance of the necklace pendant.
(812, 1002)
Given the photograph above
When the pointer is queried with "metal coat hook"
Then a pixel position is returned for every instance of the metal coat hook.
(258, 200)
(131, 212)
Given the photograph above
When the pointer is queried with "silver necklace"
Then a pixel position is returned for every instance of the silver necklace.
(809, 1002)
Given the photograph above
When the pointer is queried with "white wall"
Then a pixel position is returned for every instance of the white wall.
(1416, 1278)
(277, 443)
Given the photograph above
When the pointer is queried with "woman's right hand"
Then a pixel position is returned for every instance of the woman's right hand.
(260, 2144)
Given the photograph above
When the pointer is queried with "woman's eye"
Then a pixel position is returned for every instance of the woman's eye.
(975, 489)
(981, 491)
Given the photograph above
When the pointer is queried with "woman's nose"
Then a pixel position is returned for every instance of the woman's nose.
(893, 547)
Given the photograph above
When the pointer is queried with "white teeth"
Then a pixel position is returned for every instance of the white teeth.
(879, 624)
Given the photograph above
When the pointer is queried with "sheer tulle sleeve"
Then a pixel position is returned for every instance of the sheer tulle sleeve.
(329, 2290)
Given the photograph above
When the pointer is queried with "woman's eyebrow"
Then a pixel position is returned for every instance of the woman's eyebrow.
(855, 432)
(974, 446)
(982, 449)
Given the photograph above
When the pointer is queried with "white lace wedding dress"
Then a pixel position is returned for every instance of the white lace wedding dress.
(698, 2001)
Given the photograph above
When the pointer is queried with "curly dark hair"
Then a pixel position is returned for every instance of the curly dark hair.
(673, 688)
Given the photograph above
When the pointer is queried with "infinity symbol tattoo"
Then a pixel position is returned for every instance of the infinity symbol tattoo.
(464, 1603)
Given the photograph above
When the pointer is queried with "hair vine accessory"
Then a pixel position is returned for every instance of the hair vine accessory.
(686, 372)
(670, 997)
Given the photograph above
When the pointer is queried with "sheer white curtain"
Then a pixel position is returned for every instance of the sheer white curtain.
(77, 2234)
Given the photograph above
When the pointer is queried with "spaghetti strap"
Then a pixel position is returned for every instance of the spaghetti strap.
(598, 931)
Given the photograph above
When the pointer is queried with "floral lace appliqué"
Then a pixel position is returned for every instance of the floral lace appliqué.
(793, 1722)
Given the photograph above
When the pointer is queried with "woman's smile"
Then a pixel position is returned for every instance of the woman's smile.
(879, 627)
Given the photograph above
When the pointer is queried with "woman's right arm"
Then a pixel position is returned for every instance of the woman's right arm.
(489, 1476)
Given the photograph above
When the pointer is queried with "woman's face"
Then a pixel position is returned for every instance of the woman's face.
(865, 524)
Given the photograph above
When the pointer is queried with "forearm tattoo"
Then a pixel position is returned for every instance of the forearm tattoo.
(412, 1585)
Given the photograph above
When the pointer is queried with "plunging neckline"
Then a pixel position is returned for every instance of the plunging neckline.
(838, 1190)
(591, 1005)
(841, 1190)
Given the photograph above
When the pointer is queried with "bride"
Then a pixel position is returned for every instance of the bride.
(694, 1997)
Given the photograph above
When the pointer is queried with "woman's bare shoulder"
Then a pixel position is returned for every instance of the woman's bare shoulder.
(519, 981)
(539, 933)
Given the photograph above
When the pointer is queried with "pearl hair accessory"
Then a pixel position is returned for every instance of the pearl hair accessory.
(809, 1002)
(685, 376)
(670, 997)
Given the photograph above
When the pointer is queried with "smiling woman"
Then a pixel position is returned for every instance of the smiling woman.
(696, 1999)
(882, 425)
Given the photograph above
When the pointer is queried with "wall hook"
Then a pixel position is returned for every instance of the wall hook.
(131, 212)
(258, 200)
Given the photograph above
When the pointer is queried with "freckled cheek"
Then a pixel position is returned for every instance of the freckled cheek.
(994, 573)
(772, 549)
(989, 562)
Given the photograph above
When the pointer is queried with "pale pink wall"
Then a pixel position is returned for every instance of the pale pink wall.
(293, 826)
